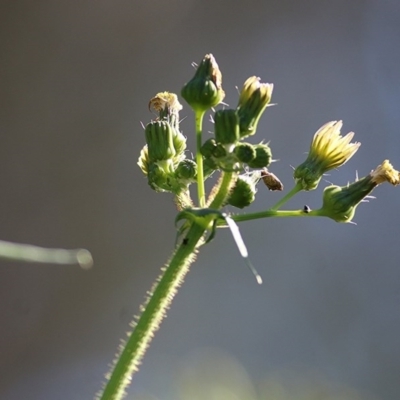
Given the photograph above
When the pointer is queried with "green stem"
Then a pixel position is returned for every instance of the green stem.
(273, 213)
(199, 159)
(297, 188)
(221, 190)
(154, 311)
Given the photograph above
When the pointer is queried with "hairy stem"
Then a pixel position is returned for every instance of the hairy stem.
(161, 296)
(220, 192)
(154, 310)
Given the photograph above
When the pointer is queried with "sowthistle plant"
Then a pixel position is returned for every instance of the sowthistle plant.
(240, 165)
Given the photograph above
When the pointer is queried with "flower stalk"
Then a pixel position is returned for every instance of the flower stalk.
(241, 166)
(154, 311)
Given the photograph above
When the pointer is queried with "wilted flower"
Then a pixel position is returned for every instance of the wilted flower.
(167, 106)
(385, 173)
(328, 150)
(165, 101)
(339, 203)
(254, 98)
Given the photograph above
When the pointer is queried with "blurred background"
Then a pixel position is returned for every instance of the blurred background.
(75, 81)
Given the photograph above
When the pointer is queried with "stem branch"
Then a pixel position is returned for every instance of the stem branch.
(199, 159)
(297, 188)
(273, 213)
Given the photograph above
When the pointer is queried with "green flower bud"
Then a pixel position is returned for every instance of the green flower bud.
(245, 152)
(143, 160)
(209, 166)
(159, 140)
(204, 90)
(219, 151)
(263, 156)
(253, 100)
(179, 142)
(187, 169)
(244, 191)
(226, 126)
(211, 148)
(328, 150)
(340, 203)
(158, 178)
(208, 148)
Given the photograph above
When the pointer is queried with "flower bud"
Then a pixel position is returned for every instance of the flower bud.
(340, 203)
(254, 98)
(187, 169)
(158, 178)
(179, 142)
(245, 152)
(328, 150)
(211, 148)
(208, 148)
(244, 191)
(204, 90)
(226, 126)
(209, 166)
(143, 160)
(159, 141)
(263, 156)
(219, 151)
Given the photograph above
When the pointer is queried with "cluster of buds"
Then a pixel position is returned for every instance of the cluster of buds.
(164, 162)
(228, 150)
(163, 158)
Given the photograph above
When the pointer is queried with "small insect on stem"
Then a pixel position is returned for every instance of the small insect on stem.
(306, 209)
(271, 181)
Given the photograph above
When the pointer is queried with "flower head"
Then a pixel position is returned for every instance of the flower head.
(254, 98)
(340, 203)
(328, 150)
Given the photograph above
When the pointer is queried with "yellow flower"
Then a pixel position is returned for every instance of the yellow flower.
(328, 150)
(253, 100)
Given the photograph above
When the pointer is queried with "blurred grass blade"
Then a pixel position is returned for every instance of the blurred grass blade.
(30, 253)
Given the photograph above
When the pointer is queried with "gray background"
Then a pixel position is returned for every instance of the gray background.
(75, 80)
